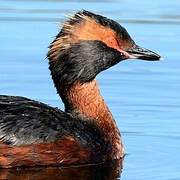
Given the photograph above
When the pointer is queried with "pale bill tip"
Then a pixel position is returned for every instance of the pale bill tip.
(161, 59)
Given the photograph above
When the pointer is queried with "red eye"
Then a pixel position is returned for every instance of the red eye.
(112, 42)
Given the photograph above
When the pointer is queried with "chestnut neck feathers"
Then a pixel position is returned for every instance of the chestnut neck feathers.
(85, 101)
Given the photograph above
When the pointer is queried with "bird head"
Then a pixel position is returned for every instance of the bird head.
(88, 44)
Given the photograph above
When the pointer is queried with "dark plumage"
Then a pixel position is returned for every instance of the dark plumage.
(24, 121)
(83, 61)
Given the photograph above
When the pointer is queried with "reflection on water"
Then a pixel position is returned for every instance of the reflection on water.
(100, 172)
(143, 96)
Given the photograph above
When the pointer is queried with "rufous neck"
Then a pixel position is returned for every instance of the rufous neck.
(85, 100)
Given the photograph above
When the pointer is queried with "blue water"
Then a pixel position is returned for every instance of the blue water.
(144, 97)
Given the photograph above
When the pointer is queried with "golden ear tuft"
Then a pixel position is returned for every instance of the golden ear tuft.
(81, 26)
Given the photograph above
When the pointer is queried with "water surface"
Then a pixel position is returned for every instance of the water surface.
(143, 96)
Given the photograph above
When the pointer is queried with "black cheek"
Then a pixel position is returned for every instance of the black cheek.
(83, 61)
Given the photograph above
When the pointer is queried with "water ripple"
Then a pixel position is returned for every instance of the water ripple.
(130, 21)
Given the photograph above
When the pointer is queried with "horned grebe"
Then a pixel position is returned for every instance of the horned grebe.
(35, 134)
